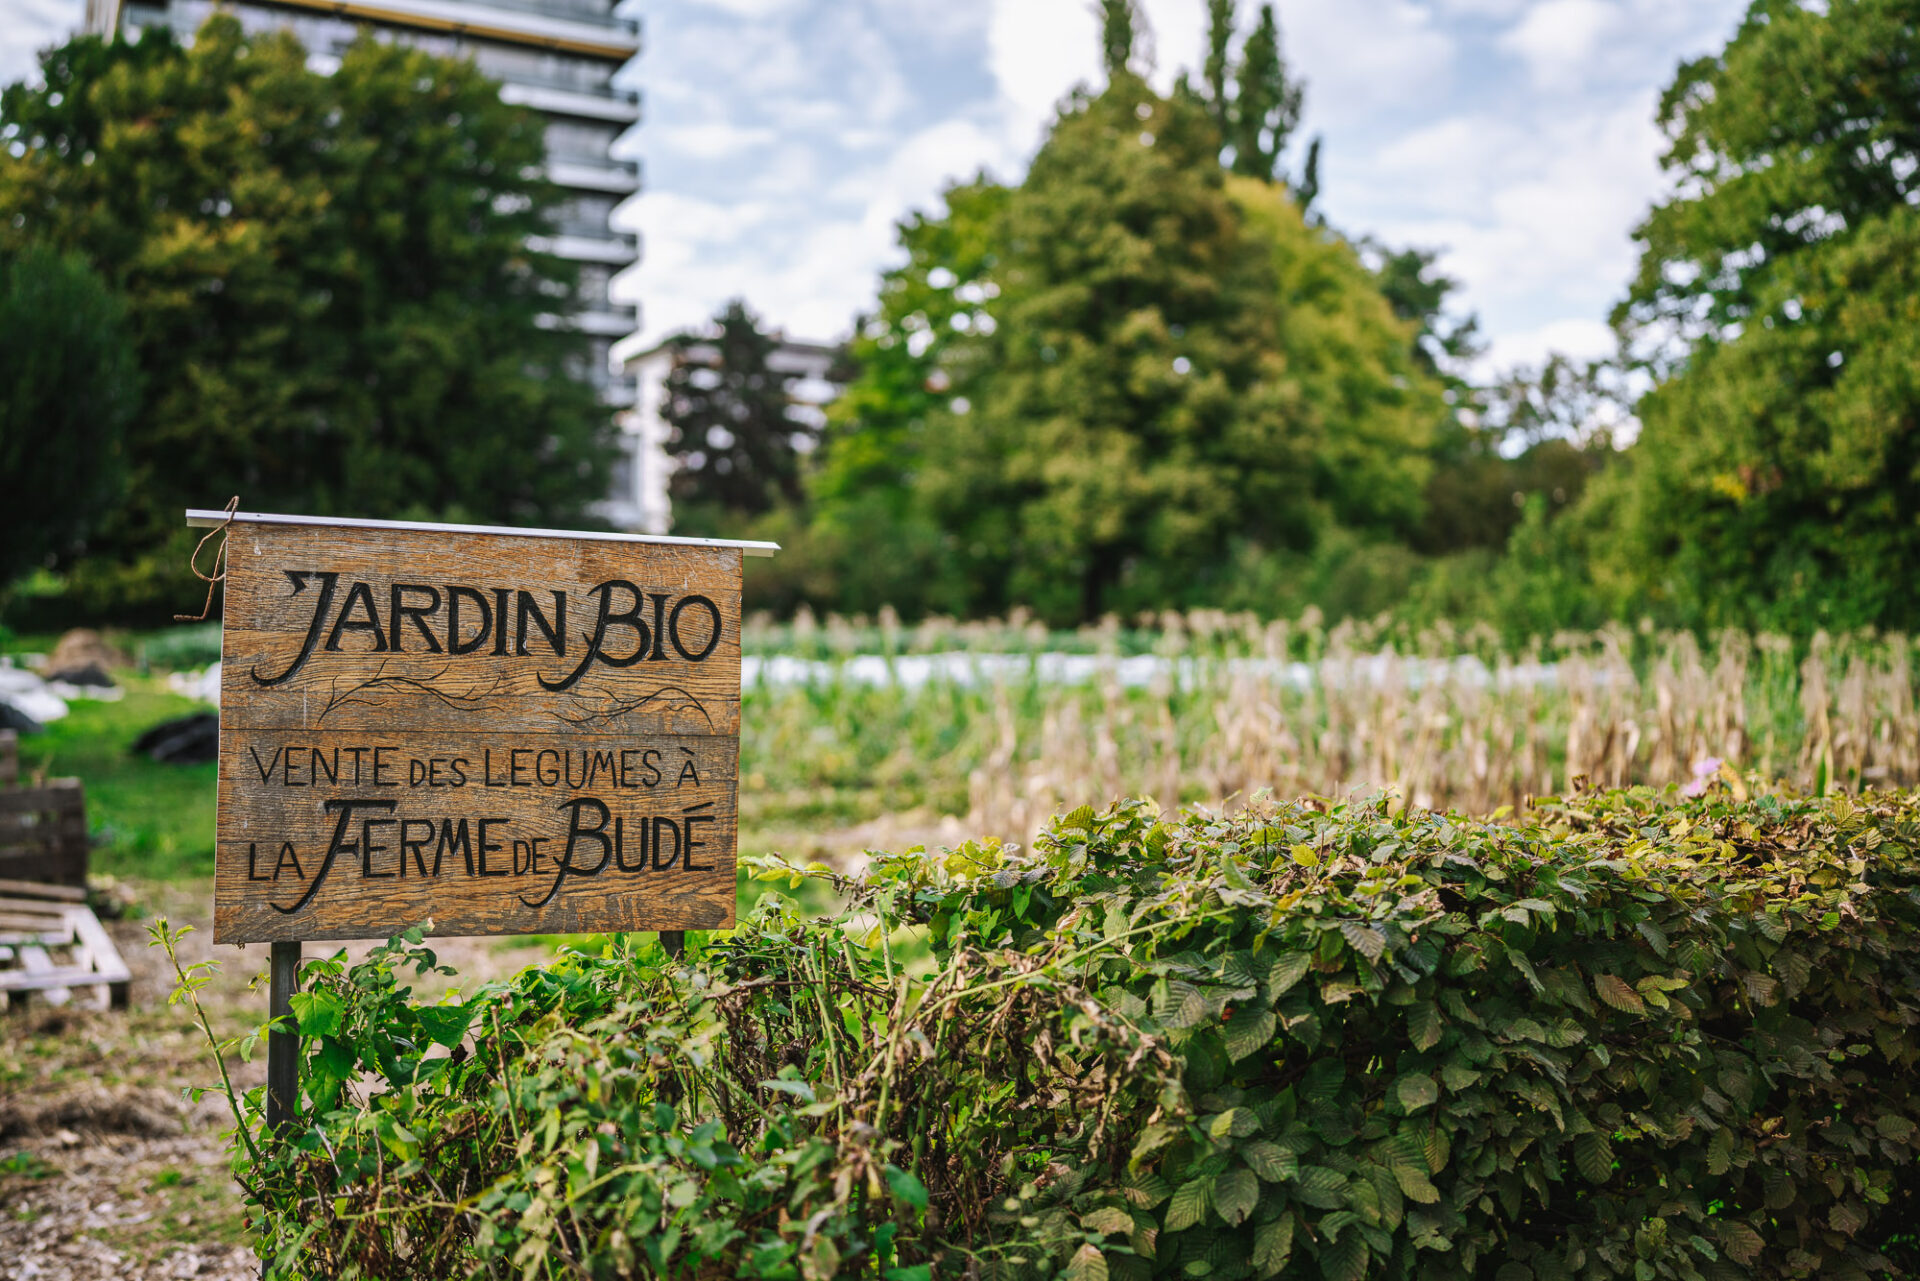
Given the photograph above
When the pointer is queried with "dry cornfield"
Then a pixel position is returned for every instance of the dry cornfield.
(1006, 725)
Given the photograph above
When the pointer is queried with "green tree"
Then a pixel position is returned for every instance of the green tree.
(922, 336)
(736, 448)
(330, 287)
(1534, 434)
(68, 388)
(1176, 362)
(1218, 67)
(1418, 292)
(1136, 379)
(1119, 21)
(1267, 108)
(1257, 116)
(1776, 478)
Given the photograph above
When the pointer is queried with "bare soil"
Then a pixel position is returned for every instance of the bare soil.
(108, 1172)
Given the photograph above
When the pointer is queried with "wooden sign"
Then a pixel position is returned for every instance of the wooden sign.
(505, 731)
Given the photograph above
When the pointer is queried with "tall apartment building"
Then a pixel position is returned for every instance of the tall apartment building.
(556, 56)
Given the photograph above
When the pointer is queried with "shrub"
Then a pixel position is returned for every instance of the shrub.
(1623, 1034)
(195, 645)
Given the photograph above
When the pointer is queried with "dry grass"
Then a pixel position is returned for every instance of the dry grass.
(1234, 705)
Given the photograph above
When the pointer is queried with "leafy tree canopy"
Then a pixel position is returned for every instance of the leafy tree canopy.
(866, 490)
(1776, 479)
(1094, 384)
(68, 388)
(329, 287)
(1256, 105)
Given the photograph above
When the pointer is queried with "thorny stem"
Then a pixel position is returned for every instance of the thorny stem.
(859, 1004)
(892, 1054)
(1069, 959)
(500, 1043)
(833, 1042)
(886, 937)
(184, 986)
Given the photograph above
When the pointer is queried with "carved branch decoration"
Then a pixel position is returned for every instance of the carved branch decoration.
(671, 699)
(471, 698)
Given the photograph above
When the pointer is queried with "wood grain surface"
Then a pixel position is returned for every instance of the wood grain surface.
(500, 735)
(43, 833)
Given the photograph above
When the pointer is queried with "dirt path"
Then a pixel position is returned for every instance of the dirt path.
(106, 1172)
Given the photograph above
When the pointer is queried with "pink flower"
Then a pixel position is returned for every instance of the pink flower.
(1703, 772)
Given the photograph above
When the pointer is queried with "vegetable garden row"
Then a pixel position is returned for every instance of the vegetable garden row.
(1008, 725)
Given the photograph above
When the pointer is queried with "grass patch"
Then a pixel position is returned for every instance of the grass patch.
(148, 820)
(25, 1165)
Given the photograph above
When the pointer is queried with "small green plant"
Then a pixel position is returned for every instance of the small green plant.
(25, 1165)
(189, 978)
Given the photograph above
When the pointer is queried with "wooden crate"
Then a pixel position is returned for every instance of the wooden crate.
(43, 833)
(52, 943)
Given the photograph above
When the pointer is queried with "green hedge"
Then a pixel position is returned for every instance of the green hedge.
(1623, 1035)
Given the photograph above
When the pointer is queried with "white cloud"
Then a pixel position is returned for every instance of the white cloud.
(1558, 39)
(1604, 45)
(30, 26)
(809, 276)
(1483, 8)
(1368, 60)
(1177, 31)
(1037, 50)
(1580, 338)
(1534, 217)
(1515, 137)
(917, 169)
(716, 140)
(757, 9)
(1530, 170)
(932, 20)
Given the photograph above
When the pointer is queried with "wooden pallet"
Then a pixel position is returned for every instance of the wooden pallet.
(39, 921)
(50, 940)
(43, 829)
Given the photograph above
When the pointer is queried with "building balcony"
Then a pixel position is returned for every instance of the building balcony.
(597, 13)
(607, 324)
(516, 22)
(591, 177)
(572, 98)
(585, 248)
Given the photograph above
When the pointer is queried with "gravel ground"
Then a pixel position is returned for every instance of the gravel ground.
(108, 1212)
(106, 1172)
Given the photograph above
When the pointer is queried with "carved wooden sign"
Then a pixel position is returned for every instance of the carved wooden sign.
(504, 731)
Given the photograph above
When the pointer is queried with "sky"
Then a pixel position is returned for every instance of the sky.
(783, 139)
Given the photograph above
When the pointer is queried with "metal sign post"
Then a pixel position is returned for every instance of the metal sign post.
(283, 1038)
